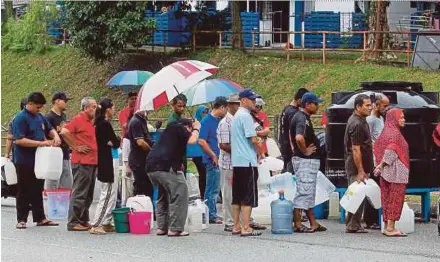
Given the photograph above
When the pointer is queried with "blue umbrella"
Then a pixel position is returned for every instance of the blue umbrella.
(129, 79)
(208, 90)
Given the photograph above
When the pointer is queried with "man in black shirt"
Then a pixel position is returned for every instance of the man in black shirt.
(358, 154)
(165, 169)
(140, 142)
(57, 117)
(284, 124)
(305, 162)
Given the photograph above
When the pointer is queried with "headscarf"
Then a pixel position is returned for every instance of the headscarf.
(199, 112)
(392, 138)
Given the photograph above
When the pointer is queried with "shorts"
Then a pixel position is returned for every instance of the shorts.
(244, 186)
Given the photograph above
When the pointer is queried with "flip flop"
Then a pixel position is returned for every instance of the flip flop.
(179, 234)
(47, 223)
(303, 229)
(257, 226)
(373, 227)
(397, 234)
(320, 228)
(359, 231)
(251, 234)
(21, 225)
(161, 232)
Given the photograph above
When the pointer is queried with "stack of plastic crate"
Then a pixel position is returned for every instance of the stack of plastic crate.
(250, 23)
(322, 21)
(359, 23)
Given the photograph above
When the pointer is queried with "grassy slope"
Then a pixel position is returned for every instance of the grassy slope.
(274, 78)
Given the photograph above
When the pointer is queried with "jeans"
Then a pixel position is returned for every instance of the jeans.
(212, 189)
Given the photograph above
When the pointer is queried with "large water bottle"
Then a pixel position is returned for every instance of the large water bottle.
(282, 215)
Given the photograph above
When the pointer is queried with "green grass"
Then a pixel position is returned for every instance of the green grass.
(273, 77)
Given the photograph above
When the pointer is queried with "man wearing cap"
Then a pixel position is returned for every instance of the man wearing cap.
(245, 152)
(224, 161)
(305, 162)
(57, 118)
(286, 116)
(209, 143)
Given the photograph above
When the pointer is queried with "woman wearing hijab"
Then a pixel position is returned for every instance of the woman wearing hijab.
(106, 140)
(392, 160)
(200, 113)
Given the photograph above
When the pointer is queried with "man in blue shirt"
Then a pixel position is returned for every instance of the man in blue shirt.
(245, 153)
(209, 143)
(30, 129)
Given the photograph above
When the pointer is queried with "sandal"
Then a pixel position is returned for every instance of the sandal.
(21, 225)
(359, 231)
(250, 234)
(47, 223)
(256, 226)
(395, 233)
(303, 229)
(373, 227)
(178, 234)
(320, 228)
(160, 232)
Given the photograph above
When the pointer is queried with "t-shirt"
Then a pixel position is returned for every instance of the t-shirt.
(224, 137)
(123, 116)
(242, 150)
(376, 125)
(30, 126)
(173, 118)
(357, 132)
(57, 122)
(302, 125)
(83, 132)
(168, 152)
(137, 129)
(208, 132)
(283, 138)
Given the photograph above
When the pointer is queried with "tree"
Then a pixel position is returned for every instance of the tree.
(9, 10)
(378, 21)
(103, 28)
(237, 36)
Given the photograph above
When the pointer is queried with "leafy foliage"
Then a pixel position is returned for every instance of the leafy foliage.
(102, 28)
(29, 33)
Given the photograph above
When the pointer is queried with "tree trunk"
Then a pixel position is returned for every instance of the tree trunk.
(237, 36)
(9, 10)
(378, 21)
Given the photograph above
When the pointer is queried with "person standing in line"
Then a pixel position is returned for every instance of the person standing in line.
(358, 154)
(224, 161)
(284, 125)
(57, 118)
(245, 153)
(127, 112)
(79, 134)
(164, 168)
(30, 129)
(178, 104)
(261, 123)
(140, 143)
(305, 162)
(106, 140)
(392, 160)
(209, 144)
(201, 112)
(376, 124)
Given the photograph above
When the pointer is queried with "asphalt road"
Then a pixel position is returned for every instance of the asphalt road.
(57, 244)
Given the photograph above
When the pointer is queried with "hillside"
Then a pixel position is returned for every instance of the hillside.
(274, 78)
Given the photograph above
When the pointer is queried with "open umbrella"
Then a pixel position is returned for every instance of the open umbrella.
(207, 90)
(129, 79)
(171, 80)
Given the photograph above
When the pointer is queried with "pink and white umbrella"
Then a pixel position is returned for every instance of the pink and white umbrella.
(170, 81)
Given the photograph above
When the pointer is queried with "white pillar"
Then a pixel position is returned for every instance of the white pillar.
(247, 5)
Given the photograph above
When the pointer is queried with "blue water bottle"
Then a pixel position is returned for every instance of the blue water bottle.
(282, 215)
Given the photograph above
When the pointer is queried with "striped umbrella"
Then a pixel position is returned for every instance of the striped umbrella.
(129, 78)
(208, 90)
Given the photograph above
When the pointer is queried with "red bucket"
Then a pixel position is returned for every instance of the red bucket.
(140, 222)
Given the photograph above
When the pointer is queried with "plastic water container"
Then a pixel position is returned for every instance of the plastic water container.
(262, 213)
(205, 213)
(263, 176)
(10, 172)
(273, 164)
(48, 163)
(195, 223)
(334, 205)
(285, 182)
(406, 221)
(58, 201)
(272, 148)
(353, 197)
(324, 188)
(373, 193)
(141, 203)
(282, 216)
(139, 222)
(193, 186)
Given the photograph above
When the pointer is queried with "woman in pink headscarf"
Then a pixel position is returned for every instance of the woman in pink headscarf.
(392, 161)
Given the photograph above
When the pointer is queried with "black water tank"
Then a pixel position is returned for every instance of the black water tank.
(421, 114)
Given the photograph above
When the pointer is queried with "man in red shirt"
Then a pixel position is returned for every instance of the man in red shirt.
(261, 121)
(79, 134)
(127, 112)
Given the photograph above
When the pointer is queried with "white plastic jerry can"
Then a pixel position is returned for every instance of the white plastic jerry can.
(48, 163)
(406, 221)
(141, 203)
(10, 172)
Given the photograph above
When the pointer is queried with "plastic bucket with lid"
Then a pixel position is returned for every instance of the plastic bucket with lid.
(120, 216)
(58, 203)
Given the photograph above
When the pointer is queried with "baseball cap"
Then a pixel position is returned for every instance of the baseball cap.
(234, 98)
(259, 102)
(248, 93)
(60, 95)
(220, 101)
(310, 97)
